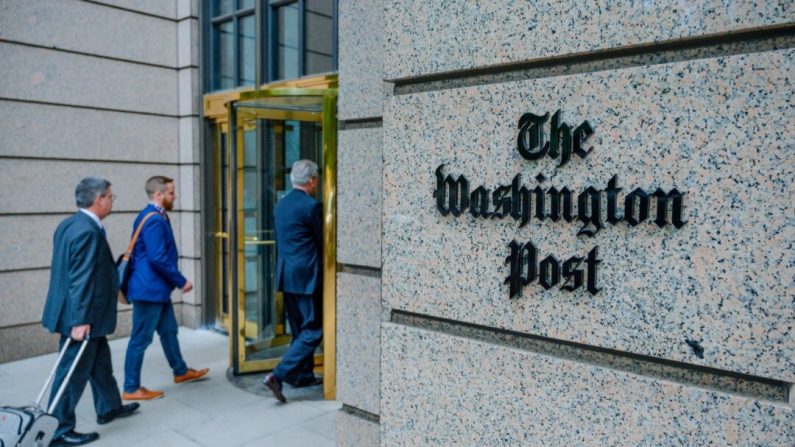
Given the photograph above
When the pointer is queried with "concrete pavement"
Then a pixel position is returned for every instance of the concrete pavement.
(210, 412)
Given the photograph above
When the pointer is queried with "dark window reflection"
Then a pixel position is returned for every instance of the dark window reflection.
(287, 42)
(221, 7)
(247, 50)
(296, 39)
(319, 54)
(224, 46)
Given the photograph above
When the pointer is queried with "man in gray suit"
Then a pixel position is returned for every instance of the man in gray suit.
(81, 303)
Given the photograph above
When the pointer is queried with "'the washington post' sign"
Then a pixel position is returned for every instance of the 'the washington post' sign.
(523, 203)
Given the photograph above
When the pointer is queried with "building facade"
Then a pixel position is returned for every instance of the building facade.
(108, 89)
(546, 224)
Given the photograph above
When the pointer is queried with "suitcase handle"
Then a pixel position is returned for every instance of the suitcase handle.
(52, 373)
(68, 374)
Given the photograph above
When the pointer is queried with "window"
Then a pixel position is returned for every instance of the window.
(233, 41)
(295, 37)
(320, 39)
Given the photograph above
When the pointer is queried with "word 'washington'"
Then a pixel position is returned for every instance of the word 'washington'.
(454, 196)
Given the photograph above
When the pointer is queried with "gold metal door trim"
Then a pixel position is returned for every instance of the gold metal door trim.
(255, 241)
(215, 104)
(330, 246)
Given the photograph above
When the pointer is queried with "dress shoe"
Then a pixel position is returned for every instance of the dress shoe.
(123, 411)
(72, 438)
(142, 394)
(311, 382)
(275, 385)
(191, 375)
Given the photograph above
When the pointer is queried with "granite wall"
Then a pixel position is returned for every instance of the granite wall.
(679, 327)
(359, 192)
(104, 88)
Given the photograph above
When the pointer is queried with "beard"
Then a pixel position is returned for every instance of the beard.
(168, 205)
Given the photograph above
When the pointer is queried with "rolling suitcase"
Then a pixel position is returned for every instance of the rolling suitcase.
(31, 425)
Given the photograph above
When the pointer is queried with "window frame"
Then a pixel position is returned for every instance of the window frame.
(266, 67)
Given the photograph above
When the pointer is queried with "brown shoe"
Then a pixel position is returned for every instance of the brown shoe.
(142, 394)
(191, 374)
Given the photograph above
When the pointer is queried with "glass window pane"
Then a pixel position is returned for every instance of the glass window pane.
(319, 36)
(323, 7)
(245, 4)
(247, 50)
(224, 47)
(221, 7)
(287, 42)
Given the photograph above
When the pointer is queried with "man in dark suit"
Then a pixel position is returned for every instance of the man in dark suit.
(154, 275)
(299, 269)
(81, 303)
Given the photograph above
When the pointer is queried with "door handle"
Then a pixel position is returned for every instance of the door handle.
(221, 234)
(255, 241)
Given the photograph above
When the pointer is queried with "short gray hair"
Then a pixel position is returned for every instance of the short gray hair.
(89, 189)
(302, 171)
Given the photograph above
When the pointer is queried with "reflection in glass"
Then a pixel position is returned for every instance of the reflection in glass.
(258, 255)
(267, 154)
(221, 7)
(287, 42)
(224, 61)
(319, 54)
(247, 41)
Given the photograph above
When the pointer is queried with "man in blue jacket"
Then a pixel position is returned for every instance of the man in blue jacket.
(154, 274)
(299, 266)
(81, 302)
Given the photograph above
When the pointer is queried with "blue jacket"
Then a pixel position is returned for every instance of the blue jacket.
(299, 241)
(83, 279)
(153, 262)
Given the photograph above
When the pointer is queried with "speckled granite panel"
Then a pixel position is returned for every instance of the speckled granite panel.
(720, 130)
(432, 37)
(361, 58)
(359, 184)
(439, 390)
(358, 348)
(353, 431)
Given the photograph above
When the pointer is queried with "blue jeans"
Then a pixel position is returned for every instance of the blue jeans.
(147, 318)
(306, 324)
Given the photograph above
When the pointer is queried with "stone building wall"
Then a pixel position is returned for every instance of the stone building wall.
(359, 190)
(104, 88)
(685, 335)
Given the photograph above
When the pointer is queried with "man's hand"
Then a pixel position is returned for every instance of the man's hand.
(187, 287)
(80, 332)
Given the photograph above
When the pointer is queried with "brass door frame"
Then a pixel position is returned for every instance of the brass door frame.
(328, 119)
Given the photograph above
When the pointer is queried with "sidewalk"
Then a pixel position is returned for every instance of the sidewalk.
(211, 412)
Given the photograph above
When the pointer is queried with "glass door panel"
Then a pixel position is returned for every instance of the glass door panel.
(267, 148)
(269, 130)
(218, 237)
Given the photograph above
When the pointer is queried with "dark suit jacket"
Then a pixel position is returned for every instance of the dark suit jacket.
(299, 242)
(83, 279)
(154, 260)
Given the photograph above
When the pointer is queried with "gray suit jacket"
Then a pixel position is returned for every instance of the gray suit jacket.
(83, 280)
